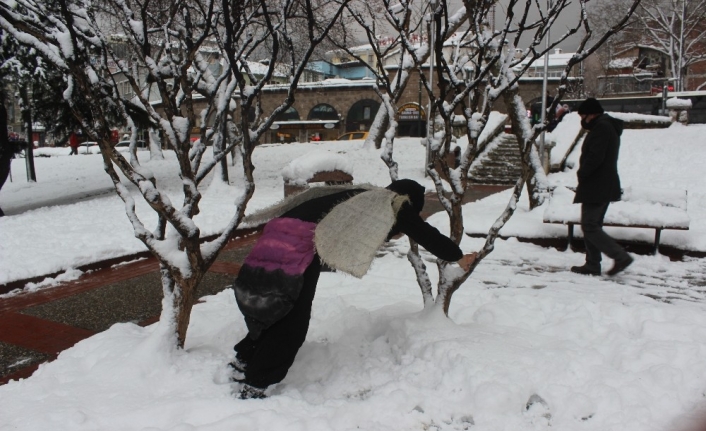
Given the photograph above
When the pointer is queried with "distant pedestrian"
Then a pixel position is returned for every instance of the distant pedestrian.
(598, 186)
(341, 227)
(73, 143)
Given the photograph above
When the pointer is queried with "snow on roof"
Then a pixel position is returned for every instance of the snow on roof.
(621, 63)
(261, 69)
(452, 40)
(330, 83)
(555, 60)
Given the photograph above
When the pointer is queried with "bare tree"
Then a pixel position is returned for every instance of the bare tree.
(674, 28)
(474, 68)
(678, 29)
(176, 86)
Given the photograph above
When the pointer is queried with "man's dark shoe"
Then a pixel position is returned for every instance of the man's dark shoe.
(620, 265)
(586, 270)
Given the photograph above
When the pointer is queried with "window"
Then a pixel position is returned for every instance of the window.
(290, 114)
(323, 112)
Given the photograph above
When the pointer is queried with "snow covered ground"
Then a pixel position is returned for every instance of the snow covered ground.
(528, 346)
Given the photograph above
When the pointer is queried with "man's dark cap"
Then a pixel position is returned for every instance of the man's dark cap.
(590, 106)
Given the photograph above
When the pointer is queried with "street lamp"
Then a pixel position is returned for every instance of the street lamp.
(430, 119)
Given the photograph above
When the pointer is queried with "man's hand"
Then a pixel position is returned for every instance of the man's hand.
(467, 260)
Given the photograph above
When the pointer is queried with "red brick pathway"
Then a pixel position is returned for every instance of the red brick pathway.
(48, 337)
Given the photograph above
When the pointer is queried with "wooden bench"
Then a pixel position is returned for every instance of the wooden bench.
(644, 208)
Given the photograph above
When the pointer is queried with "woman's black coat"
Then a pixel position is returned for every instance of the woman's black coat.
(408, 222)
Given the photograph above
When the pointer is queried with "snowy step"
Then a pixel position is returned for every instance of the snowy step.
(501, 164)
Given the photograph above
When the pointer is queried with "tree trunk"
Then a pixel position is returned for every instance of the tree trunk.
(27, 118)
(181, 293)
(6, 153)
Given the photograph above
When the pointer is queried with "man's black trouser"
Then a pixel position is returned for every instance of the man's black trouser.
(596, 240)
(269, 357)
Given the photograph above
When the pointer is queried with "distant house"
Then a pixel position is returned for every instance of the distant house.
(363, 58)
(638, 70)
(556, 66)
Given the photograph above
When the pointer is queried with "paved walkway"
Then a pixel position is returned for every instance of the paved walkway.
(35, 327)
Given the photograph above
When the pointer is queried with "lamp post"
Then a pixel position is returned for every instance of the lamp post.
(430, 118)
(544, 89)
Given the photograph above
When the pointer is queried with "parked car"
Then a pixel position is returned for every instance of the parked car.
(353, 135)
(141, 145)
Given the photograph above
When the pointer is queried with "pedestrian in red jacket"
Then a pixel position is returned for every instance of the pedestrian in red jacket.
(73, 143)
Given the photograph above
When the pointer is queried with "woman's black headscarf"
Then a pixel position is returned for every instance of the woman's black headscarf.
(411, 188)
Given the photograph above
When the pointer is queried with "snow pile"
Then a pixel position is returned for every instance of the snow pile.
(528, 346)
(676, 103)
(564, 136)
(590, 354)
(642, 118)
(303, 168)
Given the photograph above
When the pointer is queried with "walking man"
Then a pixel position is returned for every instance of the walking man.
(598, 186)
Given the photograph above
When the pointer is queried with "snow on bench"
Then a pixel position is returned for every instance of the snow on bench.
(639, 207)
(316, 167)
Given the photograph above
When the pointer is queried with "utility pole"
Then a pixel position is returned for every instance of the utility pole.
(544, 88)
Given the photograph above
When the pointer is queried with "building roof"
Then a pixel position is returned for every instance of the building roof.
(328, 83)
(557, 59)
(261, 69)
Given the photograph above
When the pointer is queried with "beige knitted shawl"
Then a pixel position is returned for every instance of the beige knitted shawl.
(348, 238)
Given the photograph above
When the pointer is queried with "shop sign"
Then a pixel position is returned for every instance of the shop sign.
(410, 112)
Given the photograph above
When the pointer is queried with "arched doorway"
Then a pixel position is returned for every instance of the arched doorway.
(361, 115)
(290, 114)
(411, 120)
(323, 112)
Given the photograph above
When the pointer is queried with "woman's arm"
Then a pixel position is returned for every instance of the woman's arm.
(411, 224)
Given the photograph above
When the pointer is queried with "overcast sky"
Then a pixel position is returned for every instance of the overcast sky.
(568, 18)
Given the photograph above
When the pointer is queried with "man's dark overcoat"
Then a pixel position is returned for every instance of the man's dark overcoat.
(598, 179)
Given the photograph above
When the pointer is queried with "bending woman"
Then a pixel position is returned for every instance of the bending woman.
(343, 229)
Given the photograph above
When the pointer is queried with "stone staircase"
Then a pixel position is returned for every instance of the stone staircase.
(500, 163)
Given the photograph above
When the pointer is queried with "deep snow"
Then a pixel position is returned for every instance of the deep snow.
(592, 353)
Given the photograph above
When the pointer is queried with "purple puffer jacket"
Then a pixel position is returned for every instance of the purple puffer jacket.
(271, 277)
